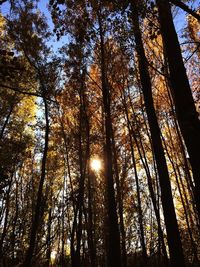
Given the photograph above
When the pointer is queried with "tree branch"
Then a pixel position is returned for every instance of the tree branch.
(185, 8)
(15, 89)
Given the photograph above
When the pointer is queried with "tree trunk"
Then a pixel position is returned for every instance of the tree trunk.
(6, 120)
(5, 224)
(48, 252)
(140, 214)
(173, 236)
(113, 239)
(37, 214)
(120, 204)
(184, 104)
(91, 233)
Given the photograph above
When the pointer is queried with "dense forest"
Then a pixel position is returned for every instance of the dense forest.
(99, 133)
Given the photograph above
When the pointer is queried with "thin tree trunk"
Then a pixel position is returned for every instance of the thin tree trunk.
(149, 178)
(48, 253)
(6, 121)
(14, 223)
(140, 215)
(113, 238)
(7, 211)
(90, 188)
(120, 204)
(176, 169)
(37, 214)
(91, 234)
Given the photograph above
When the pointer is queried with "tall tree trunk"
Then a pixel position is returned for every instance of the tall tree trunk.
(90, 188)
(184, 104)
(77, 224)
(173, 236)
(120, 204)
(37, 214)
(113, 240)
(83, 163)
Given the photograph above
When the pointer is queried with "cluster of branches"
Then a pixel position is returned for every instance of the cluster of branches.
(122, 91)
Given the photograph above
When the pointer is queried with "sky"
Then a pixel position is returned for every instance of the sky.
(43, 7)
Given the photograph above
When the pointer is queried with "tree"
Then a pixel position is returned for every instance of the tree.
(174, 241)
(184, 104)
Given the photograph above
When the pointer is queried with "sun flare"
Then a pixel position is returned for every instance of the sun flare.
(96, 164)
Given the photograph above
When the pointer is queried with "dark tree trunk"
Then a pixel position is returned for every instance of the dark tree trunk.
(83, 163)
(173, 236)
(184, 104)
(113, 238)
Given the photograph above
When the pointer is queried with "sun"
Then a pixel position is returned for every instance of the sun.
(53, 255)
(95, 164)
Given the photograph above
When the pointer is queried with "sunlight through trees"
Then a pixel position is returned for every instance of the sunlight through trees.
(99, 133)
